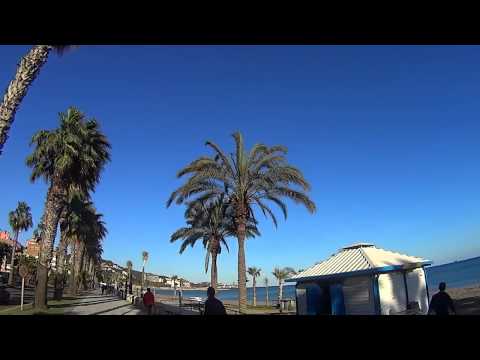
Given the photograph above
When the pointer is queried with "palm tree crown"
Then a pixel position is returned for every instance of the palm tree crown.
(247, 179)
(283, 273)
(75, 153)
(20, 219)
(129, 264)
(254, 272)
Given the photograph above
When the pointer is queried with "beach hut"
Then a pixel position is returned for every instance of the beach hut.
(362, 279)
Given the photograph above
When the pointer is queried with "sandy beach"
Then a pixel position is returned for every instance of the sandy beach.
(466, 300)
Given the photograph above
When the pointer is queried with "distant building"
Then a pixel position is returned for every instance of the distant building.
(33, 248)
(5, 238)
(186, 284)
(152, 278)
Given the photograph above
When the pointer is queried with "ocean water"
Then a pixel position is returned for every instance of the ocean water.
(455, 275)
(232, 294)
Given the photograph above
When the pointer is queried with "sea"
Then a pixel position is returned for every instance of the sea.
(457, 274)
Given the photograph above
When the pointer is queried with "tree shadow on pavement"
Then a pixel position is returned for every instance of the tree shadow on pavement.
(86, 303)
(111, 309)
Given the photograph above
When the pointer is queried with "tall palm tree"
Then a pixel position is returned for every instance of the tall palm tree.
(144, 259)
(73, 154)
(254, 272)
(211, 221)
(248, 179)
(27, 70)
(281, 274)
(20, 219)
(129, 267)
(265, 281)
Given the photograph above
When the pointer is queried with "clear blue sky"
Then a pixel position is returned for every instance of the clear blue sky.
(388, 136)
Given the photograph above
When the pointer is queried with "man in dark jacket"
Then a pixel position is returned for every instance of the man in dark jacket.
(213, 306)
(441, 302)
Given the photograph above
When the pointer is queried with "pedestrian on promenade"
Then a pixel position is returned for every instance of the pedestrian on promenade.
(149, 301)
(103, 289)
(441, 302)
(213, 306)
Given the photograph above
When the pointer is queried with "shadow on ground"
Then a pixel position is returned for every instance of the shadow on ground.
(468, 306)
(75, 304)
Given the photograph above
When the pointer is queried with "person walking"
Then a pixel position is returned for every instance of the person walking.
(148, 301)
(441, 302)
(213, 306)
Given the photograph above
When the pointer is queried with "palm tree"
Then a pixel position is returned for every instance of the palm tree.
(129, 267)
(84, 229)
(247, 179)
(265, 281)
(174, 279)
(211, 221)
(20, 219)
(145, 259)
(73, 154)
(281, 274)
(4, 254)
(254, 272)
(27, 70)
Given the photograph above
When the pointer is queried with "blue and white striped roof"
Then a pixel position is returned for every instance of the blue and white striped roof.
(360, 257)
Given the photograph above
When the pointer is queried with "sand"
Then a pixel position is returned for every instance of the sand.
(466, 300)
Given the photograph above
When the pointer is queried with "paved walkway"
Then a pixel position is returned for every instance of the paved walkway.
(94, 303)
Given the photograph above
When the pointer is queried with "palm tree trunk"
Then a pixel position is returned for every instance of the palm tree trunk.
(143, 278)
(71, 281)
(266, 300)
(11, 274)
(130, 281)
(53, 208)
(213, 271)
(78, 266)
(242, 272)
(280, 293)
(254, 292)
(27, 71)
(60, 274)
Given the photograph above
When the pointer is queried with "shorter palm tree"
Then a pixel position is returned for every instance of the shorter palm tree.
(254, 272)
(19, 219)
(174, 279)
(265, 280)
(281, 274)
(145, 259)
(212, 222)
(129, 267)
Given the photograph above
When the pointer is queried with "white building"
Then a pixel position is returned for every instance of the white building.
(362, 279)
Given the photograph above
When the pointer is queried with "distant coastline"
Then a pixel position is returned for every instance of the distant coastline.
(455, 262)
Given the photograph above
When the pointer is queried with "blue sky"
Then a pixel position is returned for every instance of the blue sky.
(386, 135)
